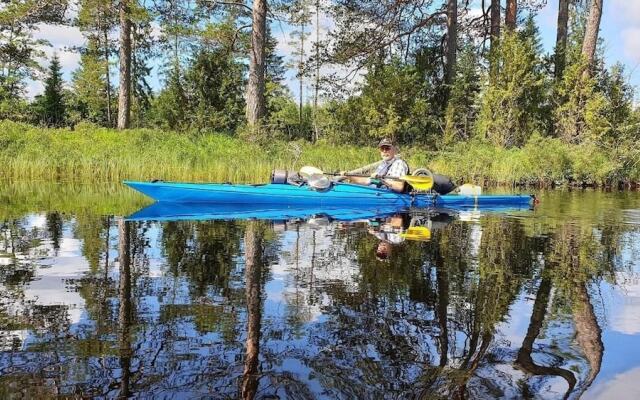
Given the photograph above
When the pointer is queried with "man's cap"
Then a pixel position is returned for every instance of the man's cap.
(386, 142)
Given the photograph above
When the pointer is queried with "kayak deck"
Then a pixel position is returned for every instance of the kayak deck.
(340, 194)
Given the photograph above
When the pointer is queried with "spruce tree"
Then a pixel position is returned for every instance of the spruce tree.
(53, 107)
(510, 109)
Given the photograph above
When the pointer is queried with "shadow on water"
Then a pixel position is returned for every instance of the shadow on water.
(308, 304)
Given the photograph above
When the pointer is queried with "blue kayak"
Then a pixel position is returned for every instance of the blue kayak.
(338, 195)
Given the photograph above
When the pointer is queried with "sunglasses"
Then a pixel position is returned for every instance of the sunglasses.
(385, 148)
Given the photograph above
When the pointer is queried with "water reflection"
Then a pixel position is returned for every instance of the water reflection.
(484, 305)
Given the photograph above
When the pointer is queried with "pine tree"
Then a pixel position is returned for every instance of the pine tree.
(301, 19)
(142, 51)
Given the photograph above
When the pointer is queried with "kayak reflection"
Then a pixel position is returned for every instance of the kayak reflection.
(164, 211)
(167, 211)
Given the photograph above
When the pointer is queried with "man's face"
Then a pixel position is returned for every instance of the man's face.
(387, 152)
(383, 251)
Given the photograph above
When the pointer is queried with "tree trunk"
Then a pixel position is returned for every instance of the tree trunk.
(255, 86)
(591, 33)
(495, 23)
(561, 37)
(512, 13)
(524, 359)
(452, 40)
(253, 287)
(494, 36)
(125, 309)
(301, 80)
(588, 333)
(107, 71)
(317, 83)
(124, 94)
(442, 278)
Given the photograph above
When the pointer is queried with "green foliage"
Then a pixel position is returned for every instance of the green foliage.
(511, 104)
(90, 154)
(580, 112)
(90, 86)
(50, 108)
(618, 109)
(542, 160)
(208, 97)
(461, 108)
(168, 108)
(284, 121)
(390, 105)
(214, 86)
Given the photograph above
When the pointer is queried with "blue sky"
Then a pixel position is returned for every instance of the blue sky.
(620, 30)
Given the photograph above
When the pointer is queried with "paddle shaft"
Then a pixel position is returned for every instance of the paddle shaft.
(348, 174)
(415, 181)
(360, 170)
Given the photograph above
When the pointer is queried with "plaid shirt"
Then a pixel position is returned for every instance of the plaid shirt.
(397, 169)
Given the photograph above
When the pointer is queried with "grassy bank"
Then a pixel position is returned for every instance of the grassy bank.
(90, 154)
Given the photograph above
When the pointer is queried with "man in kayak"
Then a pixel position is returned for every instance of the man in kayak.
(392, 166)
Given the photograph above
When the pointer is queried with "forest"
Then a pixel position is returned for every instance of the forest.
(464, 86)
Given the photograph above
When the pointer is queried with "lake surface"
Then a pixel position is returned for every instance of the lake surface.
(471, 304)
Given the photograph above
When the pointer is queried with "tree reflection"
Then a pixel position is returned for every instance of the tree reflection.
(253, 250)
(125, 309)
(204, 252)
(524, 359)
(579, 259)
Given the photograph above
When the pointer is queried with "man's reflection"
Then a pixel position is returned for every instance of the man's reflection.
(389, 232)
(396, 229)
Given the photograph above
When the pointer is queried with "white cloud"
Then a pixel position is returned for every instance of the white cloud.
(625, 314)
(622, 386)
(630, 42)
(628, 10)
(34, 88)
(60, 36)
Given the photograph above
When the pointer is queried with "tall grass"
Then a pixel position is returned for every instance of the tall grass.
(94, 154)
(89, 154)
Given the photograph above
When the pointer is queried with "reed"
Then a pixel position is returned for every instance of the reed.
(91, 154)
(95, 154)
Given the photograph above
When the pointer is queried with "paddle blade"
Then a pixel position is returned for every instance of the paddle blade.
(417, 233)
(420, 183)
(308, 170)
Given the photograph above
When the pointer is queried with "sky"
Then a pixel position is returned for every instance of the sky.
(620, 32)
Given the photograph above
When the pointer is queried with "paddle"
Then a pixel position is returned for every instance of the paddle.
(422, 183)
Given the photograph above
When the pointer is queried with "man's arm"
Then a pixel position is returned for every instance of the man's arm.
(396, 186)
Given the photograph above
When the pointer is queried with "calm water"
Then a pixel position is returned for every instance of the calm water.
(511, 304)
